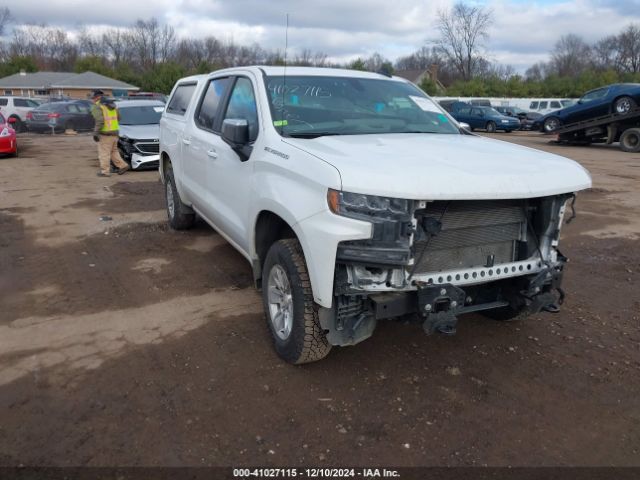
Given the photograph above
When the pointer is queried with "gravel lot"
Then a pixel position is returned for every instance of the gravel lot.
(125, 343)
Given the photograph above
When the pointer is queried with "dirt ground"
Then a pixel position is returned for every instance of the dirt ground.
(125, 343)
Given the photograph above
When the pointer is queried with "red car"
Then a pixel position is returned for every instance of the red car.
(8, 140)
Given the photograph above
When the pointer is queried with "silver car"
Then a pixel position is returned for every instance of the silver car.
(139, 132)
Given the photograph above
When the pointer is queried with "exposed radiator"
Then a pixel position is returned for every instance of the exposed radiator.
(473, 232)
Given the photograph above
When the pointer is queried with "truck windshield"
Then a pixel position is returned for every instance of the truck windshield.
(142, 115)
(313, 106)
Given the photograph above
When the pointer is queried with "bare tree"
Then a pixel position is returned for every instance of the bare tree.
(90, 44)
(605, 53)
(536, 72)
(421, 59)
(462, 32)
(118, 43)
(190, 53)
(167, 43)
(571, 56)
(629, 46)
(49, 47)
(5, 19)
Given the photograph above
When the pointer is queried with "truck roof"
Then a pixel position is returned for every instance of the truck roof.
(294, 71)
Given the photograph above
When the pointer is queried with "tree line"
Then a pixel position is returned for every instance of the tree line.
(150, 55)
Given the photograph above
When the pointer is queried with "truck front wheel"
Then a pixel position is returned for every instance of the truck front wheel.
(292, 315)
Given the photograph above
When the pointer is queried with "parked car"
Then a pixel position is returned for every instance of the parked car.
(486, 118)
(480, 102)
(529, 121)
(549, 105)
(147, 96)
(8, 140)
(453, 105)
(620, 99)
(17, 108)
(510, 111)
(526, 118)
(60, 116)
(140, 132)
(356, 198)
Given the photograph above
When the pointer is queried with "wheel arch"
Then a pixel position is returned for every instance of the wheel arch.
(269, 227)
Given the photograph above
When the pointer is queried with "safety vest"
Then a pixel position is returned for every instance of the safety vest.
(110, 119)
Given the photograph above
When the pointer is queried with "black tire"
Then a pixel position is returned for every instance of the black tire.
(69, 126)
(306, 341)
(551, 124)
(180, 216)
(630, 140)
(18, 126)
(508, 131)
(506, 314)
(490, 127)
(623, 105)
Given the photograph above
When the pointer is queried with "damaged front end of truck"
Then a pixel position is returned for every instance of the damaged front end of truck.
(433, 261)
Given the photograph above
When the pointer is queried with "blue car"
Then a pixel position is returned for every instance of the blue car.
(486, 118)
(620, 98)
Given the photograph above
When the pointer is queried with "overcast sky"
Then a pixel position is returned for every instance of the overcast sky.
(523, 32)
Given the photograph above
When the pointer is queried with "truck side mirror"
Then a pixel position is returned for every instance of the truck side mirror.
(235, 132)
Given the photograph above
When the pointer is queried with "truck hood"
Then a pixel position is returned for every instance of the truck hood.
(444, 167)
(140, 132)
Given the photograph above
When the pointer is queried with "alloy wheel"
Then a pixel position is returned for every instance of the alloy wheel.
(280, 300)
(171, 206)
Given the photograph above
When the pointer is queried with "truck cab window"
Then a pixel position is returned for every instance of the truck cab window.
(180, 100)
(242, 105)
(210, 103)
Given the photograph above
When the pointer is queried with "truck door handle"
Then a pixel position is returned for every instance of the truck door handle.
(186, 141)
(212, 153)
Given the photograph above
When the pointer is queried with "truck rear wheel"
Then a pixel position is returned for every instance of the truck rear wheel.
(292, 315)
(630, 140)
(180, 216)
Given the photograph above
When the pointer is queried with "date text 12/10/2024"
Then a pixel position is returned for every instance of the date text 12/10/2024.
(242, 473)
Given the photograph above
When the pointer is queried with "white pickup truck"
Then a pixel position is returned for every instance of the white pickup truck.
(356, 198)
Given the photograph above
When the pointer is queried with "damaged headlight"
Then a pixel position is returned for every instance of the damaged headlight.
(357, 205)
(391, 227)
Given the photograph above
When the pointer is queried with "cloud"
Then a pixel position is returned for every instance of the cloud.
(523, 31)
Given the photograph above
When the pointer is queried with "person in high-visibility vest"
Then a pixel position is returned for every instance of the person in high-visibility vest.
(105, 133)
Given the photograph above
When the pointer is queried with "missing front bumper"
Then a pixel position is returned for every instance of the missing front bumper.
(353, 318)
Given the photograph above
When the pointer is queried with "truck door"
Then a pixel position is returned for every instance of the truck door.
(230, 175)
(199, 145)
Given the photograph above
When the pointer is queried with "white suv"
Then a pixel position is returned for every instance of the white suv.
(15, 110)
(356, 198)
